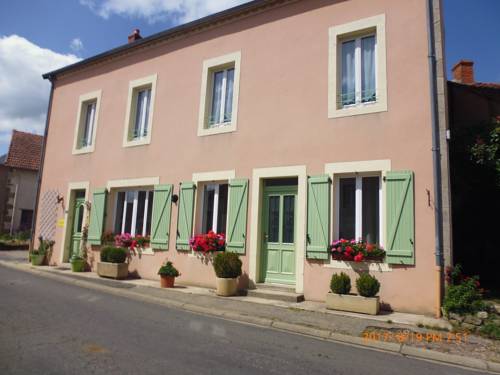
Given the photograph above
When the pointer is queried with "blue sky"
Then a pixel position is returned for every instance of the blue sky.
(39, 35)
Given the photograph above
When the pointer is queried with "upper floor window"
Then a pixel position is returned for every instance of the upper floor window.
(358, 71)
(139, 117)
(222, 97)
(219, 95)
(86, 123)
(357, 68)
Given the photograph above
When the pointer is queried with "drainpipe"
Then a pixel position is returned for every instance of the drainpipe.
(436, 159)
(42, 160)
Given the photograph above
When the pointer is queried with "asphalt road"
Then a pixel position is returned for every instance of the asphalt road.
(47, 327)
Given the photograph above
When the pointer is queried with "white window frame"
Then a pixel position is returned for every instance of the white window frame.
(358, 204)
(81, 117)
(210, 66)
(134, 88)
(358, 75)
(133, 229)
(221, 121)
(350, 31)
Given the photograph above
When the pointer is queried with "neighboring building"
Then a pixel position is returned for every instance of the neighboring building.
(18, 182)
(474, 107)
(285, 124)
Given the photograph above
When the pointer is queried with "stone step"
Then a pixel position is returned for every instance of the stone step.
(275, 292)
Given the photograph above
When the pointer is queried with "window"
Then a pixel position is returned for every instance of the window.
(139, 119)
(357, 68)
(358, 71)
(214, 209)
(358, 214)
(222, 97)
(86, 123)
(26, 220)
(133, 212)
(219, 95)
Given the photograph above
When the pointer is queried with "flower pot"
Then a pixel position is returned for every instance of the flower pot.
(167, 281)
(226, 287)
(78, 265)
(353, 303)
(37, 259)
(112, 270)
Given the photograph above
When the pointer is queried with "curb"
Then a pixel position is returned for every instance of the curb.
(388, 347)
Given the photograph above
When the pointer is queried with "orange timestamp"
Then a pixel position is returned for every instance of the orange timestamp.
(407, 336)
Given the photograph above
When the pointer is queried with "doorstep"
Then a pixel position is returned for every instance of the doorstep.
(275, 292)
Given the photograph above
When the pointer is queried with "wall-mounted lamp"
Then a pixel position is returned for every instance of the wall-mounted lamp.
(175, 198)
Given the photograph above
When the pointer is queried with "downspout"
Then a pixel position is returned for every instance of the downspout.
(42, 161)
(436, 159)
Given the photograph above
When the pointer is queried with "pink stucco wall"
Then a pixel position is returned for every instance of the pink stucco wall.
(282, 121)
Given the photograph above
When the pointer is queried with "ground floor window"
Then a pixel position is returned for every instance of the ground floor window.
(214, 209)
(133, 212)
(26, 220)
(358, 214)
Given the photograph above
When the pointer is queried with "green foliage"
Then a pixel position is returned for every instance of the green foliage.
(464, 298)
(22, 236)
(168, 269)
(368, 286)
(44, 246)
(227, 265)
(113, 254)
(491, 330)
(340, 283)
(486, 149)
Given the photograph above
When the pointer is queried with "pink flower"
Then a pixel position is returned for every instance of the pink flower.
(358, 258)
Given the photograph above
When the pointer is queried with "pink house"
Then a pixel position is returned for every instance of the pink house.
(284, 124)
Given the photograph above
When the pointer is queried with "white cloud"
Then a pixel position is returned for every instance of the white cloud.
(23, 93)
(76, 45)
(179, 11)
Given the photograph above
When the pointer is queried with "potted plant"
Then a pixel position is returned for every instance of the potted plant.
(340, 299)
(113, 263)
(168, 273)
(37, 256)
(210, 242)
(227, 268)
(357, 251)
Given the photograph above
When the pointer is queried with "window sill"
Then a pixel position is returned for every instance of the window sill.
(358, 109)
(83, 150)
(219, 129)
(137, 142)
(362, 266)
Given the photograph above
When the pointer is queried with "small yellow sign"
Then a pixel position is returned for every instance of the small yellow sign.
(60, 223)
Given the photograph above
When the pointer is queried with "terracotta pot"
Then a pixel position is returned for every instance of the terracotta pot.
(167, 281)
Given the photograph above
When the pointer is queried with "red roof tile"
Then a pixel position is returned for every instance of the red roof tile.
(25, 151)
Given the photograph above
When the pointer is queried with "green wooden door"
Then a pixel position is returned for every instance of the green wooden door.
(77, 225)
(279, 234)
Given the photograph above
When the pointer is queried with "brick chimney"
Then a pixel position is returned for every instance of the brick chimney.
(463, 72)
(136, 35)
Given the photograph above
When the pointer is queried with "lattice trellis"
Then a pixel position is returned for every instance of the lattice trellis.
(48, 215)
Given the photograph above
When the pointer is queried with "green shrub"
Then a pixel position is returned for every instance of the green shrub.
(227, 265)
(490, 330)
(168, 269)
(113, 254)
(463, 298)
(340, 284)
(367, 285)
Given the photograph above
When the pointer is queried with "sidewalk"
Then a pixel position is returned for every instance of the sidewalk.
(393, 332)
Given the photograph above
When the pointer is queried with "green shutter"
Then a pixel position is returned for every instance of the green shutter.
(237, 217)
(185, 215)
(160, 219)
(400, 245)
(318, 217)
(97, 215)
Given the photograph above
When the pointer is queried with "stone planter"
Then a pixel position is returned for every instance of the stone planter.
(353, 303)
(78, 265)
(112, 270)
(37, 259)
(227, 287)
(167, 281)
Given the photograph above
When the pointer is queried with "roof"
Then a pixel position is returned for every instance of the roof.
(174, 32)
(25, 151)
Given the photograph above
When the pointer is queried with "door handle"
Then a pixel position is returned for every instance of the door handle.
(265, 237)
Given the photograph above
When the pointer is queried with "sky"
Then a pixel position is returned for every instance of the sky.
(37, 36)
